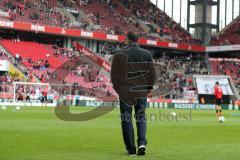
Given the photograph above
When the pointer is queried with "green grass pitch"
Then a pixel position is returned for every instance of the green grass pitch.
(36, 134)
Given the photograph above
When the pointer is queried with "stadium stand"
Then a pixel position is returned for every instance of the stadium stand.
(175, 74)
(42, 60)
(36, 12)
(21, 50)
(227, 66)
(229, 36)
(123, 13)
(117, 17)
(7, 79)
(149, 13)
(110, 16)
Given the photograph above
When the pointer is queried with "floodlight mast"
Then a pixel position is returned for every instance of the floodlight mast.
(203, 19)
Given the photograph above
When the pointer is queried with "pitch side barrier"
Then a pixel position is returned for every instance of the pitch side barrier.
(161, 105)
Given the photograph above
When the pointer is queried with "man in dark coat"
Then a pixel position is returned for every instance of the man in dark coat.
(133, 76)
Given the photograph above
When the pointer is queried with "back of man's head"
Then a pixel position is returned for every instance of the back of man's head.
(132, 36)
(217, 83)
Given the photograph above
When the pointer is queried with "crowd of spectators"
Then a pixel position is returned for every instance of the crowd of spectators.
(93, 75)
(126, 12)
(37, 11)
(104, 13)
(6, 81)
(65, 52)
(90, 78)
(229, 36)
(227, 66)
(149, 13)
(175, 74)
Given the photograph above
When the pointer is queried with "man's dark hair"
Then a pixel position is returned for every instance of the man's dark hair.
(132, 36)
(217, 83)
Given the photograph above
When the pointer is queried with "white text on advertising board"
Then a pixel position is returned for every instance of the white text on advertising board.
(86, 34)
(6, 24)
(112, 37)
(151, 42)
(173, 45)
(38, 28)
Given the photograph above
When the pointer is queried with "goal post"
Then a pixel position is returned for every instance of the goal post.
(32, 94)
(55, 92)
(28, 85)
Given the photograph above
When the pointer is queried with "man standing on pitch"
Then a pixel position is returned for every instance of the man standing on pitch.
(133, 76)
(218, 94)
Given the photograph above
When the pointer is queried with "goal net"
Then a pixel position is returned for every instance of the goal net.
(38, 93)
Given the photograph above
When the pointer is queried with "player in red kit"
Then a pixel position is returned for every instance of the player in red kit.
(218, 94)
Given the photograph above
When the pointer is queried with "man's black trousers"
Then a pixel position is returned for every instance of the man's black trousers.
(127, 126)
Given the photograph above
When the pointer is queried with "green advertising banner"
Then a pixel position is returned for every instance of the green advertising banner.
(196, 106)
(160, 105)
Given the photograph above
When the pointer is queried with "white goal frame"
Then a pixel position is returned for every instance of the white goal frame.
(38, 84)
